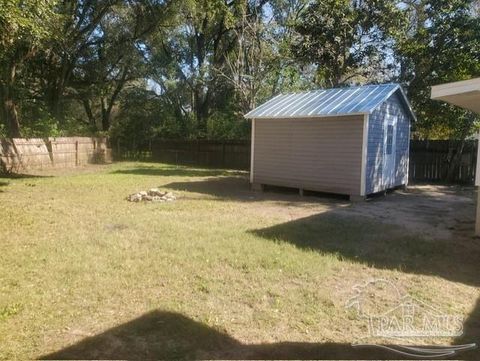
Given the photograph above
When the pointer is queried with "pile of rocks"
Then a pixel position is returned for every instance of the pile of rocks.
(153, 195)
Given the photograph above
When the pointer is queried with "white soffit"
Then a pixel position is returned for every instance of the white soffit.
(464, 94)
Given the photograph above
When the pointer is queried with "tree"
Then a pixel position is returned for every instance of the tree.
(192, 57)
(440, 45)
(79, 30)
(70, 66)
(244, 67)
(118, 56)
(221, 58)
(206, 34)
(286, 72)
(346, 40)
(260, 63)
(24, 27)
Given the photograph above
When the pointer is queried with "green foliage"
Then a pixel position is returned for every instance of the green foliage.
(46, 127)
(143, 117)
(24, 28)
(145, 69)
(441, 44)
(227, 126)
(25, 21)
(346, 41)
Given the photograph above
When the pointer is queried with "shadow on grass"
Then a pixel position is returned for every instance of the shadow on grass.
(168, 335)
(471, 331)
(21, 176)
(238, 188)
(359, 239)
(5, 179)
(176, 171)
(222, 184)
(363, 240)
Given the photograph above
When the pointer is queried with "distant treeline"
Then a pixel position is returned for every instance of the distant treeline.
(189, 69)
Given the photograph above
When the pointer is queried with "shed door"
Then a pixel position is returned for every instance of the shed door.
(389, 151)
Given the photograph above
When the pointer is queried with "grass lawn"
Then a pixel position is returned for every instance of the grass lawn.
(221, 272)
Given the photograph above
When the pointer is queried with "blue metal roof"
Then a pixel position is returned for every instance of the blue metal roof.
(330, 102)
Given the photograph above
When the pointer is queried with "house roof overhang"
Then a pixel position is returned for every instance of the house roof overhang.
(464, 94)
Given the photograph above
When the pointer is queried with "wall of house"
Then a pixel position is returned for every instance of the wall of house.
(376, 130)
(319, 154)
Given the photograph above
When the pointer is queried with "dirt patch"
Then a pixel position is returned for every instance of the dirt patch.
(432, 211)
(435, 212)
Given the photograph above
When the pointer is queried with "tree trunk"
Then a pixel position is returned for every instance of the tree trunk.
(201, 111)
(456, 160)
(12, 118)
(107, 105)
(9, 113)
(201, 106)
(88, 111)
(55, 103)
(8, 105)
(105, 115)
(57, 81)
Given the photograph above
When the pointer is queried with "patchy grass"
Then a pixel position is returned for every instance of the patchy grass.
(220, 272)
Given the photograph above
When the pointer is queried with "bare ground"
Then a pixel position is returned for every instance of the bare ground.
(443, 212)
(432, 211)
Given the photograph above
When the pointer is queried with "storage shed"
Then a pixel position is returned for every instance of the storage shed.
(352, 141)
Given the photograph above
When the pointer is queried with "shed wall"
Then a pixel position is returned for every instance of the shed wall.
(319, 154)
(375, 151)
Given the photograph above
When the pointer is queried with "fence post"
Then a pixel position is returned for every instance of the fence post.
(223, 154)
(49, 143)
(198, 151)
(118, 149)
(76, 153)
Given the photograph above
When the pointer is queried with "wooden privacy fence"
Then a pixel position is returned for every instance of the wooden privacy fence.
(228, 154)
(429, 160)
(18, 154)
